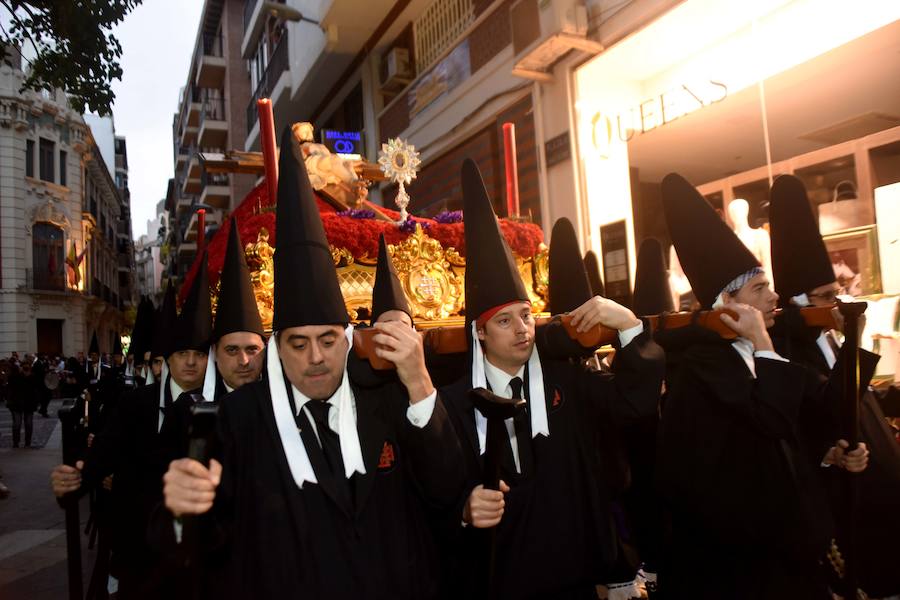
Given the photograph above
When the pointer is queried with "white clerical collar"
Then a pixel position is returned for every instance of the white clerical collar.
(744, 348)
(536, 396)
(499, 379)
(294, 449)
(175, 389)
(228, 388)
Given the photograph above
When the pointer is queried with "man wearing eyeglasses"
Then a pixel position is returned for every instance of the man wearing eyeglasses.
(804, 274)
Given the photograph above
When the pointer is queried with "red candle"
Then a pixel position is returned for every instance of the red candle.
(201, 229)
(512, 171)
(267, 143)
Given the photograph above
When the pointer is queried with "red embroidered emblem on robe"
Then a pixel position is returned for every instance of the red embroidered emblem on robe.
(386, 461)
(557, 399)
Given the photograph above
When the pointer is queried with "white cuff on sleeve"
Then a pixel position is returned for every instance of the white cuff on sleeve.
(626, 335)
(420, 413)
(770, 355)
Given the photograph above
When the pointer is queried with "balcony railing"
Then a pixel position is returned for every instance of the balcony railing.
(278, 64)
(212, 44)
(213, 109)
(44, 280)
(214, 179)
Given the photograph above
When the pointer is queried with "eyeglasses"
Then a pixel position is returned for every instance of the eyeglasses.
(830, 296)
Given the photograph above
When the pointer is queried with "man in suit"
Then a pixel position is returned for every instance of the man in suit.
(321, 483)
(747, 517)
(139, 442)
(236, 355)
(554, 533)
(804, 277)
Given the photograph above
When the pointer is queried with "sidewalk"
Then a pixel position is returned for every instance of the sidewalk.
(32, 525)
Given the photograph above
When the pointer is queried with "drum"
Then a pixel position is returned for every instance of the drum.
(51, 380)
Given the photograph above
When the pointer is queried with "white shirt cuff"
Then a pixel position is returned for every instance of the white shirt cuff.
(770, 355)
(420, 413)
(626, 335)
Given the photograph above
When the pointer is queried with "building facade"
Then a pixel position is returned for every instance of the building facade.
(606, 98)
(59, 209)
(148, 255)
(124, 240)
(211, 118)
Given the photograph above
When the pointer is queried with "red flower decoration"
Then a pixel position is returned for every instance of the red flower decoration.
(358, 236)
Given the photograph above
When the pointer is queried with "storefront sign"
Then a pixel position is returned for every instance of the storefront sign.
(616, 274)
(343, 142)
(557, 149)
(654, 112)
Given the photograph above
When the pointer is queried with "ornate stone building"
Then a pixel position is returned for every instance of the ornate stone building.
(59, 212)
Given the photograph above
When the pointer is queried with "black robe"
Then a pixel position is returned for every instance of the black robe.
(556, 538)
(878, 525)
(137, 455)
(267, 538)
(747, 514)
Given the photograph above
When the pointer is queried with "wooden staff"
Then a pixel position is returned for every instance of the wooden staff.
(851, 311)
(72, 448)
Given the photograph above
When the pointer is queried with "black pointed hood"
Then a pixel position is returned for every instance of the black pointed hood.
(307, 291)
(95, 345)
(387, 293)
(117, 346)
(592, 267)
(711, 255)
(139, 332)
(165, 322)
(800, 261)
(652, 295)
(236, 309)
(193, 330)
(492, 278)
(569, 286)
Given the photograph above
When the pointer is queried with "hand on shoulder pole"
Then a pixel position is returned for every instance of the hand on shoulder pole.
(749, 324)
(602, 311)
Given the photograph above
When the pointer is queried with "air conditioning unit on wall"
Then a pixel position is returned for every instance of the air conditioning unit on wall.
(396, 70)
(543, 31)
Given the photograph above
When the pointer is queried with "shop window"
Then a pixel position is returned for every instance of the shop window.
(29, 158)
(833, 193)
(48, 263)
(46, 158)
(756, 193)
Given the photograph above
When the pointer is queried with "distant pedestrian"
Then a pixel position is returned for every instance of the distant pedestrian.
(22, 402)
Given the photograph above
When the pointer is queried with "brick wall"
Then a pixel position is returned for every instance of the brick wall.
(490, 37)
(395, 119)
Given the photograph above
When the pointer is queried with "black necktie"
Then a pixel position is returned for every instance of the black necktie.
(523, 428)
(331, 443)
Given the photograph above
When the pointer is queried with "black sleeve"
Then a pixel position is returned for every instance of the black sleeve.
(770, 403)
(109, 449)
(214, 527)
(436, 462)
(632, 391)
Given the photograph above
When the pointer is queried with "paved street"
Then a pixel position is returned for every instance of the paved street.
(32, 527)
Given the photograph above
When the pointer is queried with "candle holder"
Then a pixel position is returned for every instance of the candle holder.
(399, 161)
